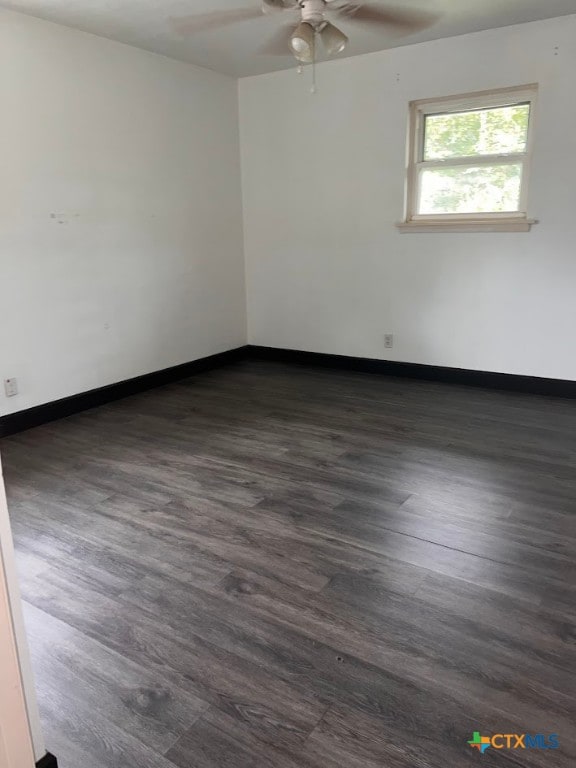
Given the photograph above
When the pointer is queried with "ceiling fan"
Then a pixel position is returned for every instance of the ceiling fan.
(300, 36)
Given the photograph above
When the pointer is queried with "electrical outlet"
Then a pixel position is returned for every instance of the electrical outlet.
(388, 340)
(11, 387)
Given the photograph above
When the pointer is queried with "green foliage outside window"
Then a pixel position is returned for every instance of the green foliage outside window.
(473, 188)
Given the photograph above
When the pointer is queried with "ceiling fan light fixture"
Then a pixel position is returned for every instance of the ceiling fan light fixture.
(302, 42)
(333, 39)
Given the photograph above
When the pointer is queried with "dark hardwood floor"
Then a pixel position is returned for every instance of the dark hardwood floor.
(280, 567)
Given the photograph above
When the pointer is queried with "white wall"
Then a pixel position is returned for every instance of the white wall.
(323, 185)
(120, 212)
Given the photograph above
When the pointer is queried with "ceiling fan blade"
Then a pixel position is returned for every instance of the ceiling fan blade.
(189, 25)
(279, 43)
(401, 19)
(280, 5)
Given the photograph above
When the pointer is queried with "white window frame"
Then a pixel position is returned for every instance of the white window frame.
(516, 221)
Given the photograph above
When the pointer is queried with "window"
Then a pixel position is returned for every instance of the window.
(468, 162)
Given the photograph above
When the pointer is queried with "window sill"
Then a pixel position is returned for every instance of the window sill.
(521, 224)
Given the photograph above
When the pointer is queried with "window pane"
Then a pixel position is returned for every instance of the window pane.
(465, 189)
(481, 132)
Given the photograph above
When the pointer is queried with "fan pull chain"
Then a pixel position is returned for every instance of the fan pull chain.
(313, 88)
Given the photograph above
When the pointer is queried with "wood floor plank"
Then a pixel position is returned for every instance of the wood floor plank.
(81, 671)
(234, 683)
(379, 742)
(216, 741)
(81, 735)
(273, 565)
(486, 661)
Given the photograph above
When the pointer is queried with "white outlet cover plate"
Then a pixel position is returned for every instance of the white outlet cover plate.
(11, 387)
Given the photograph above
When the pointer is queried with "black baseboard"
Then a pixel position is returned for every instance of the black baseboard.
(41, 414)
(48, 761)
(533, 385)
(58, 409)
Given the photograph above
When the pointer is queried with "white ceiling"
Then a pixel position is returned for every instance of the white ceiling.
(233, 50)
